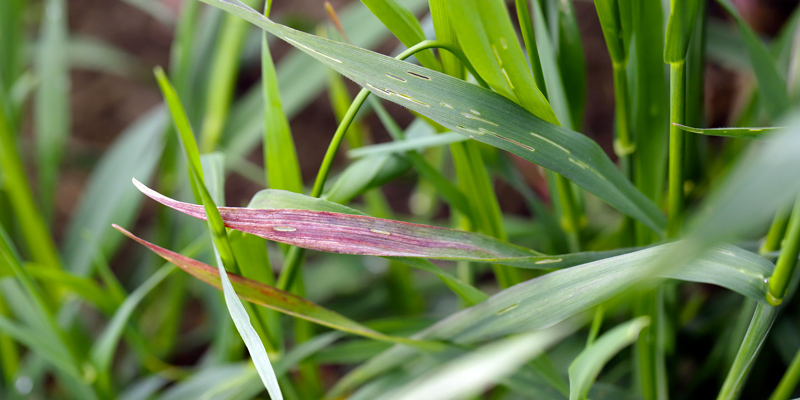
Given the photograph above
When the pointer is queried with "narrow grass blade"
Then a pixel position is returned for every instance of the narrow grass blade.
(754, 340)
(752, 133)
(280, 157)
(222, 247)
(221, 79)
(273, 298)
(404, 25)
(15, 184)
(571, 61)
(472, 373)
(51, 111)
(475, 112)
(584, 369)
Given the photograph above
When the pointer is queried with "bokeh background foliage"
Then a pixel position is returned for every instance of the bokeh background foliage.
(399, 199)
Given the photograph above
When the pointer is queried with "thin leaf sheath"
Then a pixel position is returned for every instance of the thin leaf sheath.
(352, 234)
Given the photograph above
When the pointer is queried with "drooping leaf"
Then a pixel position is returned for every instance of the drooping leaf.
(554, 297)
(473, 111)
(272, 297)
(223, 252)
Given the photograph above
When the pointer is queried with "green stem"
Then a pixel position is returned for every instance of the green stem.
(789, 381)
(777, 230)
(787, 261)
(677, 95)
(597, 322)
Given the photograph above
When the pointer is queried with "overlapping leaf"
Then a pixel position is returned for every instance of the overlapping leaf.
(268, 296)
(472, 111)
(554, 297)
(294, 219)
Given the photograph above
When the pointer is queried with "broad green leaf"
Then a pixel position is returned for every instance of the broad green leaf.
(108, 197)
(473, 372)
(554, 297)
(584, 369)
(403, 24)
(51, 108)
(300, 81)
(475, 112)
(771, 83)
(276, 299)
(415, 143)
(753, 133)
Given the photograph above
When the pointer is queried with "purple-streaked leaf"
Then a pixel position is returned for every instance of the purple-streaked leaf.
(363, 235)
(276, 299)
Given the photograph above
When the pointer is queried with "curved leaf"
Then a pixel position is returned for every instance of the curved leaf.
(554, 297)
(334, 228)
(268, 296)
(472, 111)
(753, 133)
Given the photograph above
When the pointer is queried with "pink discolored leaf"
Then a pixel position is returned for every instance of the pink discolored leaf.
(353, 234)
